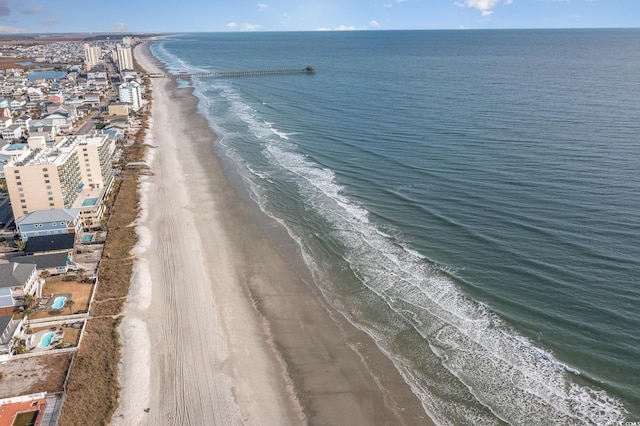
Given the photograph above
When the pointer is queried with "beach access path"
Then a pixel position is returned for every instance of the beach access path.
(220, 327)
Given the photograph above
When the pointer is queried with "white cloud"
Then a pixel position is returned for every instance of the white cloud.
(35, 9)
(484, 6)
(243, 27)
(249, 27)
(11, 30)
(375, 24)
(118, 26)
(340, 28)
(49, 21)
(262, 6)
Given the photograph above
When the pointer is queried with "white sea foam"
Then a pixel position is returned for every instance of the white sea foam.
(505, 372)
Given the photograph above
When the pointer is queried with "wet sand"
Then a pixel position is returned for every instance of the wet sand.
(223, 324)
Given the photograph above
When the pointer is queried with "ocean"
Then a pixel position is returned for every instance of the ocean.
(470, 199)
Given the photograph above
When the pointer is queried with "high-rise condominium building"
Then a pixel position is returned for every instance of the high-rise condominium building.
(62, 176)
(92, 55)
(125, 57)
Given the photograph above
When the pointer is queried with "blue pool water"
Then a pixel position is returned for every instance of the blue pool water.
(16, 146)
(58, 302)
(89, 202)
(86, 238)
(45, 341)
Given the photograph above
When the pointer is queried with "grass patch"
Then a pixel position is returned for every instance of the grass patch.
(92, 392)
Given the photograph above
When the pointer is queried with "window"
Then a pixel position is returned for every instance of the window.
(46, 175)
(20, 189)
(52, 205)
(24, 206)
(47, 181)
(54, 223)
(48, 186)
(45, 169)
(16, 171)
(50, 198)
(49, 193)
(18, 183)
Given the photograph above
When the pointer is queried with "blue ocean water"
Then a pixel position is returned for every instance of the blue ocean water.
(468, 198)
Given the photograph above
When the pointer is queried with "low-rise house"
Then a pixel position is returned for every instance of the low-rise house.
(6, 333)
(12, 132)
(59, 243)
(49, 222)
(5, 122)
(39, 128)
(35, 94)
(16, 281)
(61, 121)
(53, 263)
(24, 121)
(16, 104)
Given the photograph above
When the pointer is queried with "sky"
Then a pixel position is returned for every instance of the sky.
(170, 16)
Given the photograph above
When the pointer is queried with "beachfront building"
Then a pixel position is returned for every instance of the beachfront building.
(17, 280)
(95, 154)
(130, 93)
(125, 57)
(49, 222)
(76, 172)
(48, 178)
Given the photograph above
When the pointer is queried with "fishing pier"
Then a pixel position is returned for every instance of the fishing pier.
(229, 74)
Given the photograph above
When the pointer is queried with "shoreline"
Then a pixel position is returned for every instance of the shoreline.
(218, 313)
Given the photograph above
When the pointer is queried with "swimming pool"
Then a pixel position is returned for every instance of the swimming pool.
(58, 302)
(45, 340)
(87, 238)
(89, 202)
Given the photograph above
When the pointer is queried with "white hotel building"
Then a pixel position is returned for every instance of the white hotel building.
(130, 93)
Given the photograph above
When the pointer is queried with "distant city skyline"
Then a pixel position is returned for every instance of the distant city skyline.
(70, 16)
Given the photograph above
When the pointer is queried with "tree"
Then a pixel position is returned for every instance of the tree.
(45, 274)
(19, 346)
(69, 304)
(29, 300)
(81, 274)
(20, 245)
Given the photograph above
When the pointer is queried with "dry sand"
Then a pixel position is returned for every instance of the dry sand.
(220, 327)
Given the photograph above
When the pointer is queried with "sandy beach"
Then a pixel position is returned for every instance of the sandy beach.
(223, 325)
